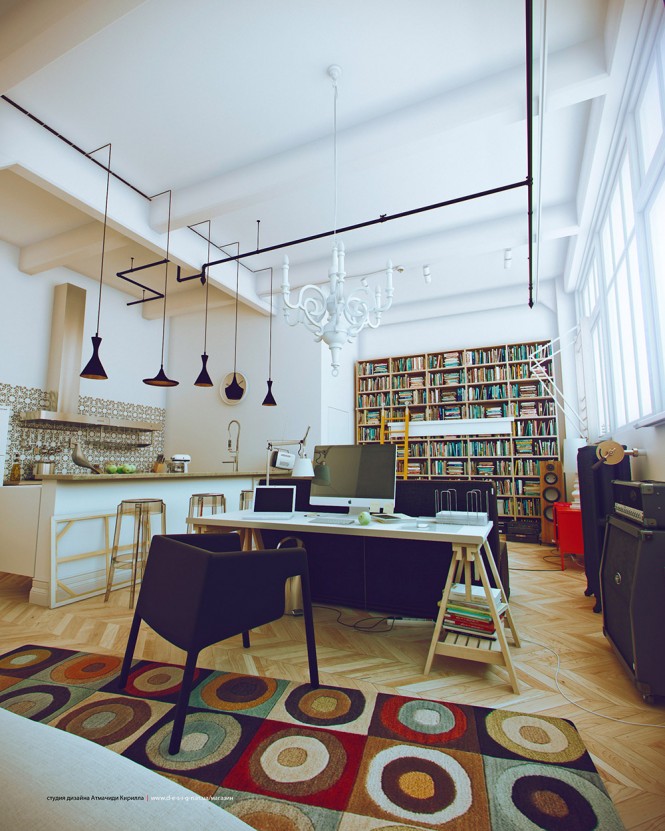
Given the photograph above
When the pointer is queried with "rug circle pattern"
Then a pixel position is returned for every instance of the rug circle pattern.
(416, 783)
(207, 738)
(107, 721)
(555, 800)
(325, 706)
(538, 738)
(237, 692)
(423, 722)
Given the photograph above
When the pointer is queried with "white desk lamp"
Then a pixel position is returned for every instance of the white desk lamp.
(302, 467)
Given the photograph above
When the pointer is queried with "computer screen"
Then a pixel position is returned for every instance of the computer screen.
(358, 476)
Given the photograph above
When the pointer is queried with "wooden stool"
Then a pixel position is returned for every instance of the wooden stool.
(198, 502)
(246, 498)
(142, 510)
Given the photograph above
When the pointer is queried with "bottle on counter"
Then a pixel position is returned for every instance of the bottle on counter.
(15, 473)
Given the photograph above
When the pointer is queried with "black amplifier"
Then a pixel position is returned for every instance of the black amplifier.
(640, 502)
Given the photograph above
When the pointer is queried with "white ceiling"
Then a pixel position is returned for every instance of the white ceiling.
(229, 105)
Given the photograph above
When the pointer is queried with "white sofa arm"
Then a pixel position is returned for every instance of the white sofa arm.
(40, 763)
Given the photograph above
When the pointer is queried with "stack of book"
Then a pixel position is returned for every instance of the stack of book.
(472, 617)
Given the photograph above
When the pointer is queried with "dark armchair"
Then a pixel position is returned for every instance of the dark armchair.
(199, 589)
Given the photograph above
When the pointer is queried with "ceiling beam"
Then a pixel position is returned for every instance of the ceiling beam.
(33, 33)
(66, 248)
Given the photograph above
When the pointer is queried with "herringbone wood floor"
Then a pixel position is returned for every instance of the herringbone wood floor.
(549, 607)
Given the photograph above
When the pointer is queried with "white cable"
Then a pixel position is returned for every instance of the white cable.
(574, 703)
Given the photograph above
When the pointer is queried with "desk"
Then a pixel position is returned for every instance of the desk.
(467, 542)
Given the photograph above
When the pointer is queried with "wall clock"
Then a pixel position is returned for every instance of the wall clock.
(227, 395)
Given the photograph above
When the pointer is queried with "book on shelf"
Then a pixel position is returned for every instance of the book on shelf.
(467, 611)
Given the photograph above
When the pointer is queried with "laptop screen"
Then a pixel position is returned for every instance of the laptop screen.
(275, 498)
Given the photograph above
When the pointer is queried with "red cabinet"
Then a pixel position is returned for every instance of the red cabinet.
(568, 530)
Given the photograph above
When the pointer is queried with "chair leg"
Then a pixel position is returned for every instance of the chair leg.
(129, 651)
(114, 554)
(245, 640)
(183, 703)
(309, 632)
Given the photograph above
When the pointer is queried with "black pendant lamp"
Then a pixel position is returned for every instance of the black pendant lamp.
(204, 379)
(233, 391)
(269, 400)
(161, 379)
(94, 369)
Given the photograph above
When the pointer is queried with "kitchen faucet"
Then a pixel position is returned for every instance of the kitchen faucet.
(233, 446)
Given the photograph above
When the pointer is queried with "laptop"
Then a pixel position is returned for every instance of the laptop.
(274, 502)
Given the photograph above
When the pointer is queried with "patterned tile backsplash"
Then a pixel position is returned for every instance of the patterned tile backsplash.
(53, 443)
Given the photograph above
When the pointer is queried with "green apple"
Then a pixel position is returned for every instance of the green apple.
(111, 468)
(364, 518)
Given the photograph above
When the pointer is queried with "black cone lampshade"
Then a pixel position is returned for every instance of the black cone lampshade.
(94, 369)
(204, 379)
(160, 380)
(269, 400)
(234, 391)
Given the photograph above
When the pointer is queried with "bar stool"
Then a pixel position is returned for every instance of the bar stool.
(142, 511)
(246, 499)
(198, 502)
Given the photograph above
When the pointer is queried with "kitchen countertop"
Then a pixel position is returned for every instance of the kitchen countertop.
(114, 477)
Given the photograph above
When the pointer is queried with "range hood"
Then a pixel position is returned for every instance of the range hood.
(63, 379)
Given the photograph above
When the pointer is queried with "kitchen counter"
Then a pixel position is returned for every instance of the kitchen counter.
(77, 519)
(127, 477)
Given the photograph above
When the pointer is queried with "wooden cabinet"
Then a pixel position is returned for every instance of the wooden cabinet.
(485, 382)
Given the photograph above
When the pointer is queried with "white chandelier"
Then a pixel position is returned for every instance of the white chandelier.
(333, 318)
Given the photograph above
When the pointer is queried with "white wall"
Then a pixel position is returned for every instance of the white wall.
(479, 319)
(130, 347)
(197, 418)
(652, 441)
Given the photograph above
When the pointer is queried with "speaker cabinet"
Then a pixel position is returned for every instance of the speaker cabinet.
(597, 500)
(632, 584)
(551, 491)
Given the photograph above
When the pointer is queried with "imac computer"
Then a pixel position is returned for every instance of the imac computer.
(360, 477)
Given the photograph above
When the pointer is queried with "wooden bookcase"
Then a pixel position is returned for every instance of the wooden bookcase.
(482, 382)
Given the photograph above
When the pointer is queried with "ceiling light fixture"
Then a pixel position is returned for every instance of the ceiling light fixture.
(269, 400)
(335, 319)
(161, 379)
(94, 369)
(233, 391)
(204, 379)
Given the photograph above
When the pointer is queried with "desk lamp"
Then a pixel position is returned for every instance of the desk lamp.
(302, 467)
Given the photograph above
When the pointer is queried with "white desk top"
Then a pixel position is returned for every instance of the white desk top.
(405, 529)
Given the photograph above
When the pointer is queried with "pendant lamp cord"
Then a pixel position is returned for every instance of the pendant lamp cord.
(258, 230)
(335, 156)
(166, 271)
(207, 276)
(235, 340)
(106, 213)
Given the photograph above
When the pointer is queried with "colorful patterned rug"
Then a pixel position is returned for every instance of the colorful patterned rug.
(281, 755)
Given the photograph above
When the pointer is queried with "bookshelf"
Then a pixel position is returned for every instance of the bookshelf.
(483, 382)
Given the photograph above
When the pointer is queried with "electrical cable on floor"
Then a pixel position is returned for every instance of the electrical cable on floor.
(356, 626)
(579, 706)
(548, 559)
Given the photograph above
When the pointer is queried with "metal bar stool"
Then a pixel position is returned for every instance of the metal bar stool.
(246, 498)
(198, 502)
(142, 510)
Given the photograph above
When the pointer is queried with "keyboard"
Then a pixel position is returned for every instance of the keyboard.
(333, 519)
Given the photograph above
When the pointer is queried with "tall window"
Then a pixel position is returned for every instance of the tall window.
(623, 287)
